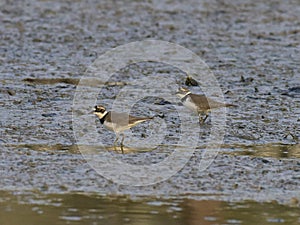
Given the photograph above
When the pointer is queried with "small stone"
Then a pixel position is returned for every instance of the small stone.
(48, 114)
(265, 161)
(11, 92)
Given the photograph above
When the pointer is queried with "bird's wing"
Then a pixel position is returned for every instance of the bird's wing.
(205, 103)
(123, 119)
(134, 119)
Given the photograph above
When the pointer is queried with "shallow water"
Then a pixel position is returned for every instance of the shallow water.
(79, 208)
(271, 150)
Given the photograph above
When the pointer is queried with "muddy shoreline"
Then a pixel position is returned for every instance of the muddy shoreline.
(252, 49)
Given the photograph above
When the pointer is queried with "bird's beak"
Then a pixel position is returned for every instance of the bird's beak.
(93, 110)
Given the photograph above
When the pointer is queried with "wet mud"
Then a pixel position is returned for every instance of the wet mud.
(251, 47)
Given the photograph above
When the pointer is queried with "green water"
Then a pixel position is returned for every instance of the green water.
(77, 208)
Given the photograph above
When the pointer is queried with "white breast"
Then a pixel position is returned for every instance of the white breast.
(108, 125)
(190, 105)
(113, 127)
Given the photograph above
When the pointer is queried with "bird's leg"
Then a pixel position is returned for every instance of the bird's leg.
(116, 140)
(206, 116)
(202, 118)
(123, 137)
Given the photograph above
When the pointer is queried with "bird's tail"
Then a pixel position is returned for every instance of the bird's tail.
(230, 105)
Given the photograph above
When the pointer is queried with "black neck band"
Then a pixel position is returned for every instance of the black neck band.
(103, 118)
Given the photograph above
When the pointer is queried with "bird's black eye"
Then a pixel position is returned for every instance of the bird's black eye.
(99, 109)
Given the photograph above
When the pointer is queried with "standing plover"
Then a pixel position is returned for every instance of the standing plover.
(199, 103)
(118, 122)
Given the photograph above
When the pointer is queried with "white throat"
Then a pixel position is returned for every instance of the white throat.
(101, 115)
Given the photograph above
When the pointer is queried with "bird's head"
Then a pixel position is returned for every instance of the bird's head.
(100, 111)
